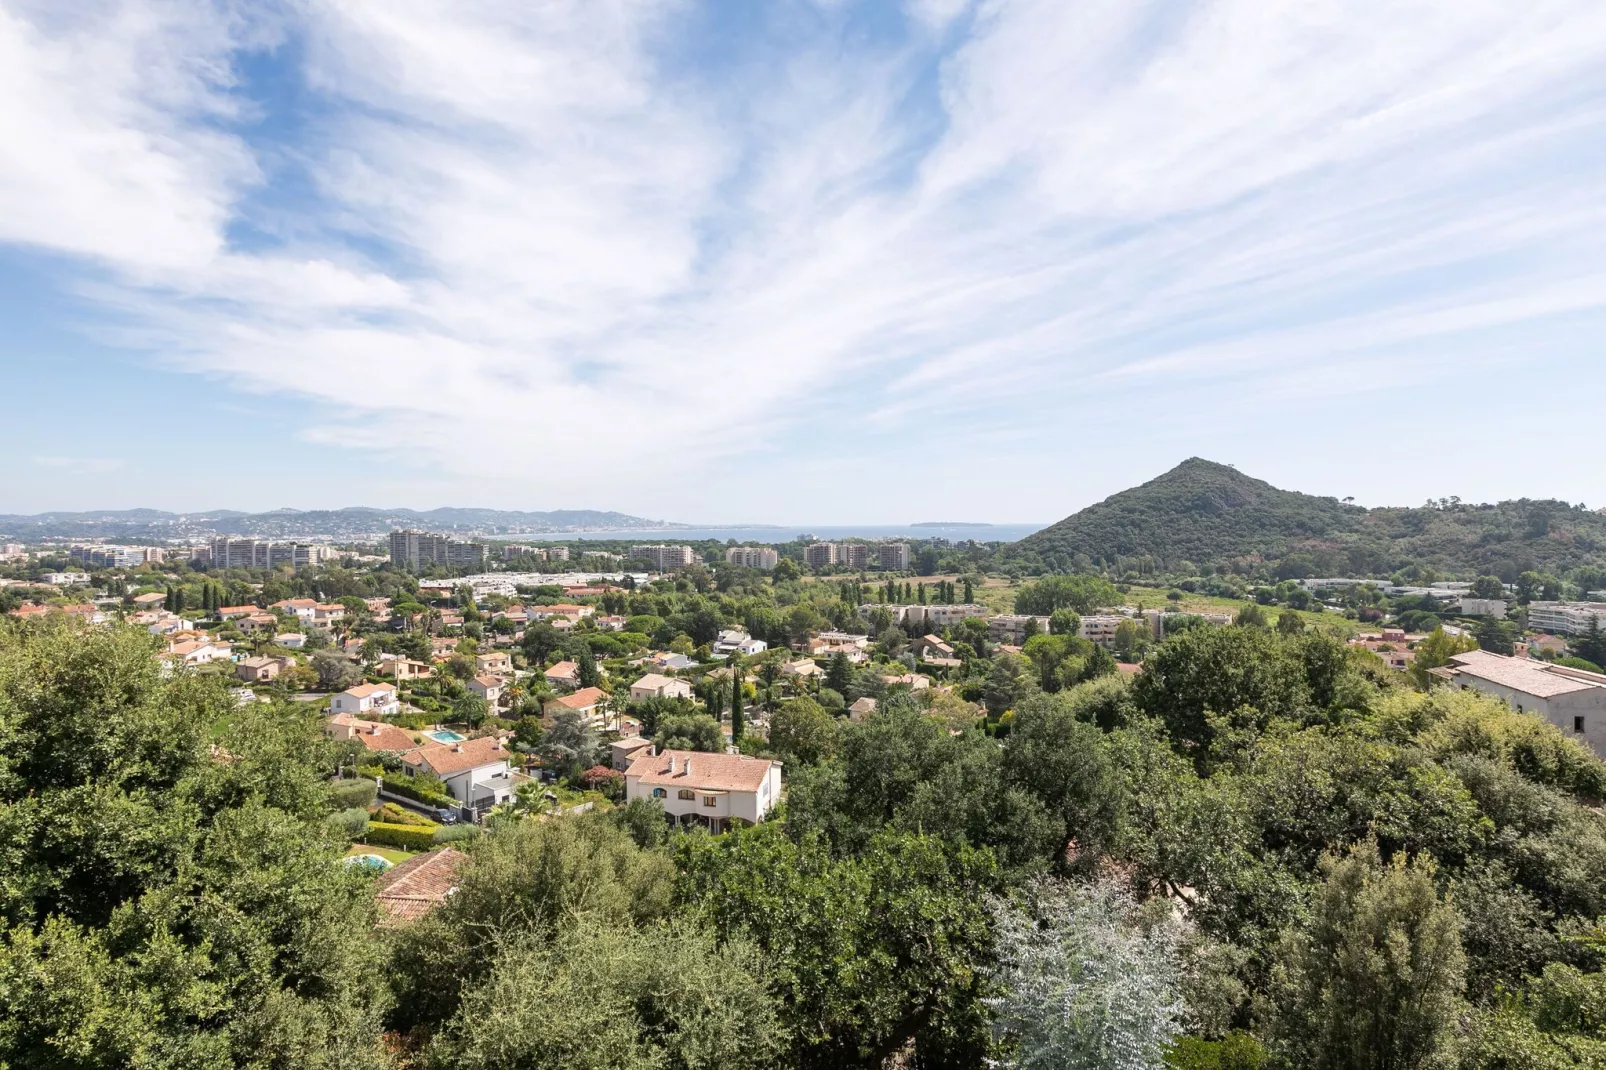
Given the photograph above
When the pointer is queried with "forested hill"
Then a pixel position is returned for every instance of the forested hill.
(1203, 513)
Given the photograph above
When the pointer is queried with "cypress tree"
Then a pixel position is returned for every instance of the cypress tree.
(970, 593)
(167, 601)
(736, 703)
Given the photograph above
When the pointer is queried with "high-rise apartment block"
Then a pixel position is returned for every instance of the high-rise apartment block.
(753, 556)
(264, 553)
(893, 556)
(416, 549)
(664, 558)
(819, 554)
(117, 556)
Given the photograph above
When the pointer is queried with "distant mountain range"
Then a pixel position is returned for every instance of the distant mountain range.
(312, 523)
(1202, 513)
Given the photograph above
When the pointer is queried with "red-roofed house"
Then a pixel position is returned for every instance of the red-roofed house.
(375, 735)
(712, 790)
(476, 771)
(408, 891)
(587, 702)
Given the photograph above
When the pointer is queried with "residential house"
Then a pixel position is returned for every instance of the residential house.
(488, 687)
(673, 662)
(379, 607)
(861, 709)
(303, 608)
(802, 669)
(589, 702)
(1571, 699)
(932, 646)
(259, 670)
(150, 600)
(442, 648)
(564, 674)
(257, 622)
(379, 699)
(913, 681)
(496, 661)
(475, 771)
(230, 612)
(401, 668)
(327, 613)
(712, 790)
(655, 685)
(411, 889)
(196, 651)
(735, 641)
(613, 623)
(291, 640)
(375, 735)
(621, 752)
(547, 613)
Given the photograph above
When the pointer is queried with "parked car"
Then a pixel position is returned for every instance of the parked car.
(446, 815)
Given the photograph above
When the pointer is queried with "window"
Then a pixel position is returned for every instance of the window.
(710, 800)
(658, 793)
(1578, 724)
(687, 793)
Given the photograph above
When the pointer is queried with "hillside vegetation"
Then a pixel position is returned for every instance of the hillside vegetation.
(1206, 514)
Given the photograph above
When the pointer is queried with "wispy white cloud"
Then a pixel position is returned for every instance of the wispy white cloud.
(537, 239)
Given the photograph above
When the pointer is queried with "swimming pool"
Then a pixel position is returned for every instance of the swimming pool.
(445, 735)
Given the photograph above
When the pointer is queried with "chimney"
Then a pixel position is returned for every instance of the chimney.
(457, 748)
(685, 769)
(671, 765)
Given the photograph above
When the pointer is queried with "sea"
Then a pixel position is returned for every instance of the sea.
(778, 533)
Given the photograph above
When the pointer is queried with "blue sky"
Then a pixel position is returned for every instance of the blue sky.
(797, 262)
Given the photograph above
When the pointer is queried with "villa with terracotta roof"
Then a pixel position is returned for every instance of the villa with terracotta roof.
(587, 702)
(375, 735)
(564, 674)
(475, 771)
(408, 891)
(712, 790)
(1573, 700)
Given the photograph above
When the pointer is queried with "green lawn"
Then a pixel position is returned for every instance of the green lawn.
(389, 854)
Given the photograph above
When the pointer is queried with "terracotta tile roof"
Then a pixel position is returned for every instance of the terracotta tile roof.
(418, 885)
(365, 690)
(375, 735)
(447, 759)
(489, 681)
(563, 669)
(713, 772)
(654, 681)
(582, 699)
(1520, 674)
(295, 603)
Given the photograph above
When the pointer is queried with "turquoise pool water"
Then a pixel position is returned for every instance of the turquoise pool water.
(445, 735)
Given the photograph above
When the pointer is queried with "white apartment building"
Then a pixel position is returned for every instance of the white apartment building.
(1484, 607)
(1100, 627)
(1011, 627)
(931, 617)
(1565, 618)
(116, 556)
(819, 554)
(664, 558)
(66, 579)
(893, 556)
(753, 556)
(712, 790)
(266, 553)
(1571, 699)
(413, 549)
(13, 551)
(853, 554)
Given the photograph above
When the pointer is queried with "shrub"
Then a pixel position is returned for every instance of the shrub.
(352, 793)
(454, 833)
(349, 824)
(396, 814)
(406, 837)
(424, 789)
